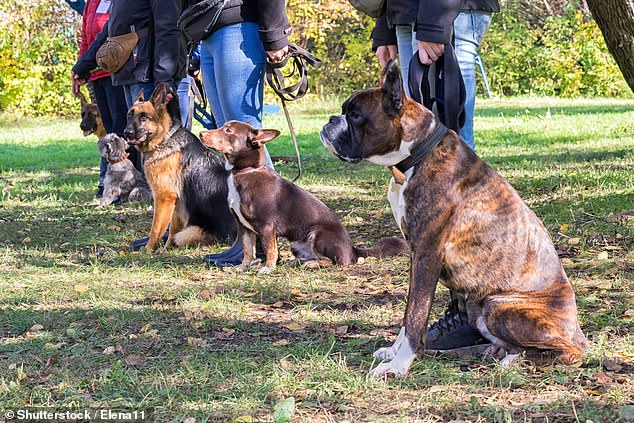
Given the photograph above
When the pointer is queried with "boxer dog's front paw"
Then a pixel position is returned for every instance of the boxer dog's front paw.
(390, 368)
(265, 270)
(385, 353)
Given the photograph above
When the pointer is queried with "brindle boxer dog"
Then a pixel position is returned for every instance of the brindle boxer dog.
(465, 225)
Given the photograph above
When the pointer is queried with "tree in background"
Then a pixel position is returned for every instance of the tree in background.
(615, 18)
(38, 45)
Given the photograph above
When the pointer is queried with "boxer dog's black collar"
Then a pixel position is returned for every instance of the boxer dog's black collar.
(423, 148)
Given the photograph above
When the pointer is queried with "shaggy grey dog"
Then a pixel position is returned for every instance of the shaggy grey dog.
(122, 179)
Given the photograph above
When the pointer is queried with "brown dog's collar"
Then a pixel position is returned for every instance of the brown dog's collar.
(120, 159)
(246, 170)
(423, 148)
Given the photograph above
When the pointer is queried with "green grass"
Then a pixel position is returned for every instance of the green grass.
(164, 333)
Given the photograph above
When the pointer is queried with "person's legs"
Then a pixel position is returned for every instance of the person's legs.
(407, 45)
(132, 91)
(232, 65)
(183, 100)
(101, 98)
(469, 28)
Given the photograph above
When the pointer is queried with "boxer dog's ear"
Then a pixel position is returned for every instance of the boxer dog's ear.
(262, 136)
(392, 87)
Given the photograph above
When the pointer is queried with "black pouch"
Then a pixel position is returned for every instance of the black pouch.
(197, 20)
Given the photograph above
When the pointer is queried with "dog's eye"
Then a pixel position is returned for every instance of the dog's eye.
(143, 118)
(352, 114)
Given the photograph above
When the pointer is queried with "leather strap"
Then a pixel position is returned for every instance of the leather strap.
(423, 148)
(276, 79)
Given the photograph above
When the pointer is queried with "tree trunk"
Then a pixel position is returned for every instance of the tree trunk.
(615, 19)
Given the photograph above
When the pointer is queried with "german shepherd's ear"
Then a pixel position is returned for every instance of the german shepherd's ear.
(82, 99)
(262, 136)
(392, 88)
(161, 96)
(139, 97)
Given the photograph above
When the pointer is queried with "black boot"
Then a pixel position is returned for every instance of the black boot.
(230, 257)
(453, 331)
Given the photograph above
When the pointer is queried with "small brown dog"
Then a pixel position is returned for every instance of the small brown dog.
(188, 182)
(91, 122)
(267, 205)
(466, 226)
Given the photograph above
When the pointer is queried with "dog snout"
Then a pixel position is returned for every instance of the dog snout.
(128, 133)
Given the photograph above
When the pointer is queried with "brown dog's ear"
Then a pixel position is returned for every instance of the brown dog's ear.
(392, 87)
(161, 96)
(262, 136)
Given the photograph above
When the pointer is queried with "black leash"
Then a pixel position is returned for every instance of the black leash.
(276, 79)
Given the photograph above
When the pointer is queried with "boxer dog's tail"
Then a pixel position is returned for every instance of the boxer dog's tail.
(385, 247)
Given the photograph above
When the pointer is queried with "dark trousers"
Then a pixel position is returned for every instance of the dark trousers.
(113, 109)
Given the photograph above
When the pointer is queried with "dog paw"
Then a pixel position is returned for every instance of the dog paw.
(240, 268)
(511, 360)
(385, 353)
(266, 270)
(389, 369)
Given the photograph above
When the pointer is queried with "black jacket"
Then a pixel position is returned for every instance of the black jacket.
(270, 15)
(160, 56)
(433, 18)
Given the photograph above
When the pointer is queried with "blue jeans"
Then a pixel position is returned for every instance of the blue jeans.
(181, 88)
(407, 45)
(232, 63)
(469, 27)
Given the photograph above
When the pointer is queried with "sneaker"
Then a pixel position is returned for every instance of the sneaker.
(99, 192)
(453, 331)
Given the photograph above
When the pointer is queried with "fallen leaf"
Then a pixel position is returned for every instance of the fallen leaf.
(118, 348)
(134, 360)
(189, 420)
(341, 330)
(145, 328)
(294, 326)
(51, 346)
(250, 294)
(296, 291)
(280, 343)
(36, 327)
(52, 360)
(114, 228)
(612, 365)
(195, 342)
(204, 295)
(566, 262)
(109, 350)
(81, 288)
(277, 304)
(246, 419)
(603, 255)
(564, 228)
(574, 241)
(26, 240)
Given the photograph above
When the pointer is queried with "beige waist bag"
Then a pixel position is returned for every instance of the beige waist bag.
(116, 51)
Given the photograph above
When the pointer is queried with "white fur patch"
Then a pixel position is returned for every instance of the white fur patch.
(403, 359)
(191, 235)
(393, 157)
(233, 199)
(482, 327)
(395, 195)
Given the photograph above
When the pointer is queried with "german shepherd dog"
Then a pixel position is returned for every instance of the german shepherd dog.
(188, 182)
(91, 122)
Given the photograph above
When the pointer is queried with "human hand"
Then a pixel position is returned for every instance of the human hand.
(77, 83)
(429, 52)
(277, 55)
(385, 53)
